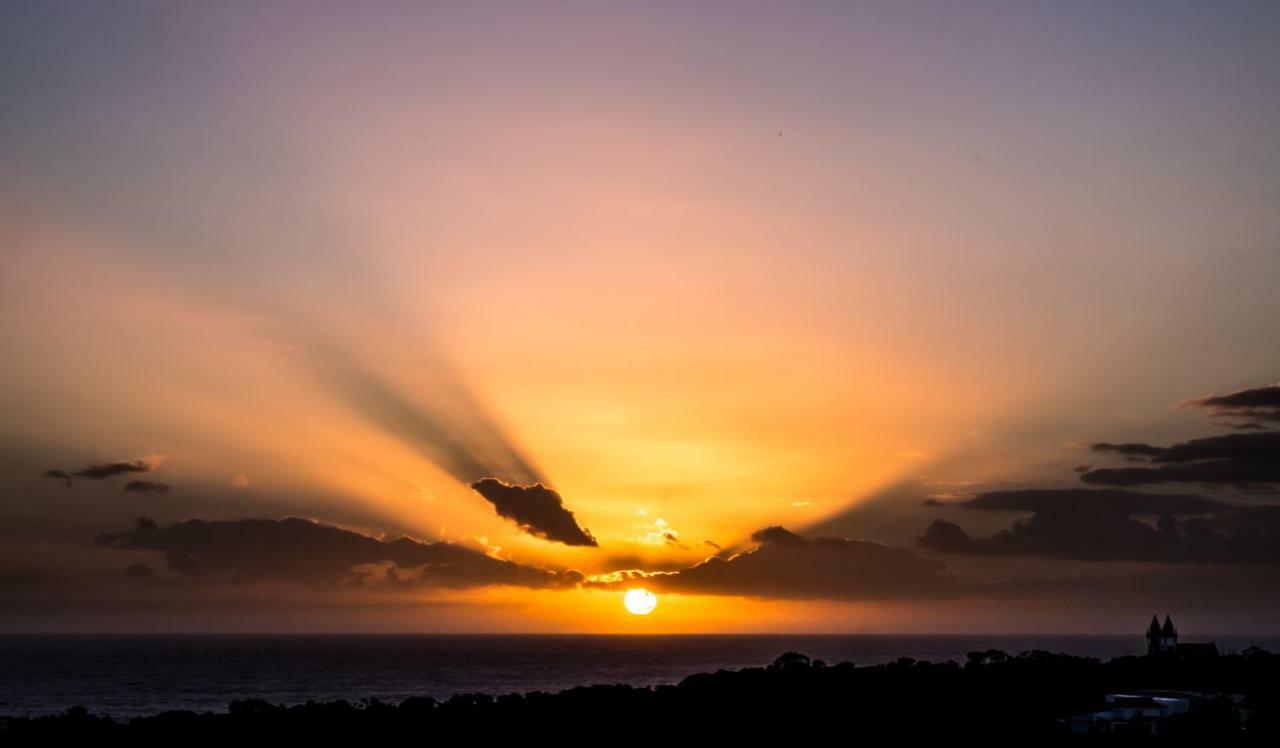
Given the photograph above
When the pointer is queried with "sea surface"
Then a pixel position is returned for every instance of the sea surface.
(128, 675)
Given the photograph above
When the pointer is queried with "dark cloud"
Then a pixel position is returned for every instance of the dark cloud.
(1128, 449)
(1241, 459)
(301, 550)
(1259, 404)
(112, 469)
(455, 432)
(537, 509)
(779, 536)
(1089, 501)
(105, 470)
(1228, 472)
(1105, 525)
(146, 486)
(786, 565)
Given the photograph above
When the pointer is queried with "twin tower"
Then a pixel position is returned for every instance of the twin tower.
(1162, 639)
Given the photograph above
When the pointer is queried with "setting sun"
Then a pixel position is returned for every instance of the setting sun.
(404, 354)
(640, 601)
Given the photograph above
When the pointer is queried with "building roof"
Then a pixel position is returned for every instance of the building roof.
(1124, 701)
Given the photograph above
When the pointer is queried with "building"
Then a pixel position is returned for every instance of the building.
(1140, 712)
(1163, 640)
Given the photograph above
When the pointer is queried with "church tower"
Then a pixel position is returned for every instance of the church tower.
(1162, 639)
(1169, 635)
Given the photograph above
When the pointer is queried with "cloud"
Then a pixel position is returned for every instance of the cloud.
(1241, 459)
(1104, 525)
(1259, 404)
(302, 550)
(537, 509)
(146, 486)
(786, 565)
(105, 470)
(455, 432)
(112, 469)
(1128, 449)
(1089, 501)
(659, 532)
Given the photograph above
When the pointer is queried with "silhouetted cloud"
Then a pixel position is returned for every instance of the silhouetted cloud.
(1242, 459)
(786, 565)
(1103, 525)
(537, 509)
(146, 486)
(1090, 501)
(301, 550)
(780, 536)
(1128, 449)
(1254, 405)
(112, 469)
(102, 471)
(455, 432)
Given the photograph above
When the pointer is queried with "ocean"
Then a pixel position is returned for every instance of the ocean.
(129, 675)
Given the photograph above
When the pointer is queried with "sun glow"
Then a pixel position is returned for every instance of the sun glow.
(640, 601)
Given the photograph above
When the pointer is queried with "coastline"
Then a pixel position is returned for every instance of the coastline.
(993, 693)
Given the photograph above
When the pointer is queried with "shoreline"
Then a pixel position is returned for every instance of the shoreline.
(1037, 692)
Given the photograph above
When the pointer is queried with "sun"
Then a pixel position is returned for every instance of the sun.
(640, 601)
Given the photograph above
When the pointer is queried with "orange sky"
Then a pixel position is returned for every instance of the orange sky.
(709, 270)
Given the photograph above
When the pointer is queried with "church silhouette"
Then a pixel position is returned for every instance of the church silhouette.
(1163, 640)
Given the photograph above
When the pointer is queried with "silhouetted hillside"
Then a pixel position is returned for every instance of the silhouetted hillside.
(1236, 699)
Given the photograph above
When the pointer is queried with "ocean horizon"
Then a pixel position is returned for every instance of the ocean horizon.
(126, 675)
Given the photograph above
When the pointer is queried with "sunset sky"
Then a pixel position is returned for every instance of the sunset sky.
(946, 290)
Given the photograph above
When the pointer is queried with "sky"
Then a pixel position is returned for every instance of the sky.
(861, 317)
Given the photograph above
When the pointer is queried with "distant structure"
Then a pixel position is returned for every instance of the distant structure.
(1163, 640)
(1143, 712)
